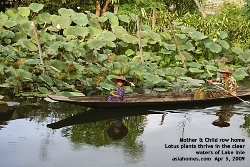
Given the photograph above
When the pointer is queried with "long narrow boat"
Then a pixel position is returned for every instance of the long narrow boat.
(171, 100)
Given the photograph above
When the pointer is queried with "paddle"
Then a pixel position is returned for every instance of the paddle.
(246, 102)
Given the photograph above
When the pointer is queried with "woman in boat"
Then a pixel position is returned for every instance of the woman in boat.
(118, 96)
(228, 82)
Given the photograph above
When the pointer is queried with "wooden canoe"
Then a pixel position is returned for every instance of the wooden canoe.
(171, 100)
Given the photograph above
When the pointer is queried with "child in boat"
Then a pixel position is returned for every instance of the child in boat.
(118, 96)
(228, 82)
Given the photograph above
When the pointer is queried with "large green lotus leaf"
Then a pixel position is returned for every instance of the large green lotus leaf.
(179, 71)
(44, 17)
(129, 52)
(187, 56)
(27, 44)
(146, 28)
(32, 61)
(164, 83)
(43, 89)
(153, 78)
(181, 36)
(214, 47)
(21, 20)
(23, 11)
(93, 68)
(197, 35)
(223, 43)
(118, 31)
(165, 51)
(80, 19)
(58, 82)
(81, 31)
(239, 74)
(154, 36)
(50, 28)
(211, 67)
(90, 82)
(35, 7)
(196, 70)
(96, 44)
(7, 34)
(66, 12)
(75, 75)
(194, 64)
(124, 18)
(114, 21)
(189, 46)
(3, 17)
(160, 89)
(56, 64)
(102, 19)
(245, 56)
(108, 35)
(46, 79)
(188, 29)
(160, 72)
(129, 38)
(166, 35)
(63, 21)
(223, 34)
(109, 43)
(109, 15)
(237, 50)
(9, 24)
(69, 31)
(11, 13)
(169, 46)
(106, 86)
(24, 74)
(27, 28)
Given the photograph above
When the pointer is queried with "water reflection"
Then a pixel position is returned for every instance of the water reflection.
(93, 133)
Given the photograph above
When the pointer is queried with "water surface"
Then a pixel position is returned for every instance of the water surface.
(78, 137)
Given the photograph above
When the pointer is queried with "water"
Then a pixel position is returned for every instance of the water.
(26, 141)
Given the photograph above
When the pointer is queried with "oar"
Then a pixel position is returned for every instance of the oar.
(227, 91)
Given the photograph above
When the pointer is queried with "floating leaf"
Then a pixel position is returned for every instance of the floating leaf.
(211, 67)
(187, 56)
(119, 31)
(114, 21)
(170, 46)
(35, 7)
(46, 79)
(80, 19)
(194, 64)
(165, 51)
(24, 11)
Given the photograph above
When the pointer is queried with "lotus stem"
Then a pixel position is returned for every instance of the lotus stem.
(177, 45)
(139, 37)
(39, 45)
